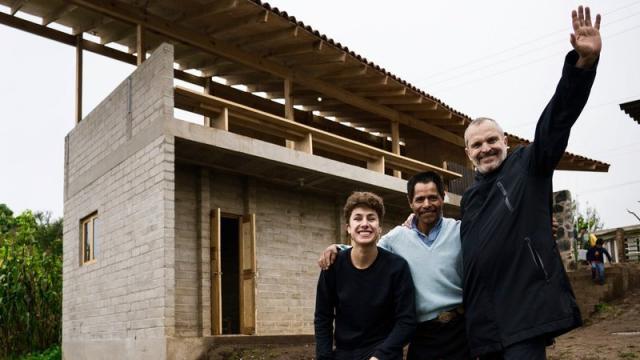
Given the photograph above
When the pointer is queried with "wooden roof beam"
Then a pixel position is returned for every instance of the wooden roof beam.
(195, 62)
(352, 71)
(136, 15)
(315, 59)
(253, 78)
(16, 6)
(238, 23)
(57, 13)
(261, 37)
(423, 106)
(328, 107)
(90, 24)
(383, 93)
(295, 49)
(117, 35)
(265, 87)
(446, 122)
(352, 112)
(212, 68)
(207, 10)
(362, 82)
(434, 114)
(357, 118)
(396, 100)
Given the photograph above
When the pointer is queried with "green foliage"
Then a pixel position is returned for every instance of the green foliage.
(588, 220)
(30, 282)
(603, 307)
(52, 353)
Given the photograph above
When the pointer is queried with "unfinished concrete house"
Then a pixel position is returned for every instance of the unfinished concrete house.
(178, 234)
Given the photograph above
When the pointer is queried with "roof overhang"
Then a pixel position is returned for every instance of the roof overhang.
(632, 108)
(249, 43)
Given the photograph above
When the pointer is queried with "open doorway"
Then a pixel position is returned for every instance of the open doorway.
(233, 274)
(230, 279)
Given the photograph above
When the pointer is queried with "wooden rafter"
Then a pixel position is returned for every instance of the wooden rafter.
(397, 100)
(433, 114)
(253, 78)
(350, 72)
(176, 32)
(294, 49)
(238, 23)
(117, 34)
(315, 59)
(215, 64)
(416, 107)
(362, 82)
(206, 10)
(57, 13)
(290, 32)
(90, 24)
(383, 93)
(16, 6)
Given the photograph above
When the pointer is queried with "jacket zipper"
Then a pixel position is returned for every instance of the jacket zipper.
(506, 196)
(536, 258)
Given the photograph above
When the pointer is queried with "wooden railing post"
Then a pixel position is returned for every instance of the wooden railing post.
(289, 112)
(222, 121)
(376, 165)
(395, 144)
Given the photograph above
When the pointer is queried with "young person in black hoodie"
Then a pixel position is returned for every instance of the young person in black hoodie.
(368, 292)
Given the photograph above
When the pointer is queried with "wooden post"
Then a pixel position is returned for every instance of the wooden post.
(305, 144)
(289, 113)
(376, 165)
(78, 78)
(395, 143)
(222, 121)
(207, 91)
(141, 48)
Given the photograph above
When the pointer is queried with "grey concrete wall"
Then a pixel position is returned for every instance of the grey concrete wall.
(119, 163)
(293, 227)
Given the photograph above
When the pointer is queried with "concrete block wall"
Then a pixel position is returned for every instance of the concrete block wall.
(119, 163)
(292, 228)
(186, 253)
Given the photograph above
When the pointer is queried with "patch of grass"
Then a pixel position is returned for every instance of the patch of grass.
(603, 307)
(627, 355)
(52, 353)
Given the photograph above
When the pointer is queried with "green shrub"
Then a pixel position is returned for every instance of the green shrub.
(52, 353)
(30, 282)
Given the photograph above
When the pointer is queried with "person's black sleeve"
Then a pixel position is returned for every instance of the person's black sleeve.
(590, 255)
(325, 314)
(562, 111)
(606, 252)
(405, 315)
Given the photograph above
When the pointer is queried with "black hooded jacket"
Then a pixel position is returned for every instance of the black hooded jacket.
(515, 285)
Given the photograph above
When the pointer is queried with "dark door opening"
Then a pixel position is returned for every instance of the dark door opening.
(230, 268)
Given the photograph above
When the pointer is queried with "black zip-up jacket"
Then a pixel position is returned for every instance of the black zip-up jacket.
(515, 286)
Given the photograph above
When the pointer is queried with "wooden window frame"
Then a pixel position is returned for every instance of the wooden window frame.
(88, 220)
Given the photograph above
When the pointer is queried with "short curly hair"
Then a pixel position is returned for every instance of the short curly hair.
(364, 198)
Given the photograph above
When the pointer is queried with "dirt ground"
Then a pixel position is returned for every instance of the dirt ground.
(612, 333)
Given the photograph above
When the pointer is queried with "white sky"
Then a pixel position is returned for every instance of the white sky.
(500, 59)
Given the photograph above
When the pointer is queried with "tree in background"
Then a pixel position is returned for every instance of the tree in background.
(589, 220)
(30, 282)
(634, 213)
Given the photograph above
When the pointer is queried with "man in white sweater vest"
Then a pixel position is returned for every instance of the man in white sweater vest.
(431, 246)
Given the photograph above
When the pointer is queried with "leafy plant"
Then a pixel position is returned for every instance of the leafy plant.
(30, 282)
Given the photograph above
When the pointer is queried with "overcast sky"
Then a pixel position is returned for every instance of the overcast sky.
(500, 59)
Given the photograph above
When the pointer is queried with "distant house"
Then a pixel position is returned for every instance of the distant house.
(178, 232)
(622, 243)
